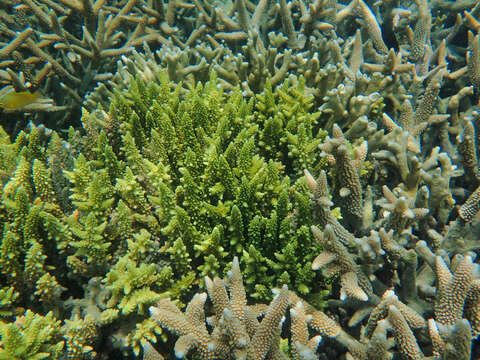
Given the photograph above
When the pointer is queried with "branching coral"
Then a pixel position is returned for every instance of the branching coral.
(123, 204)
(178, 170)
(237, 334)
(32, 336)
(359, 265)
(207, 175)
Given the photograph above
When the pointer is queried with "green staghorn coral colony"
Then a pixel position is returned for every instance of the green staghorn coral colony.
(254, 180)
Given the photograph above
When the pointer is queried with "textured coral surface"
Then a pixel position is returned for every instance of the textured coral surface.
(239, 179)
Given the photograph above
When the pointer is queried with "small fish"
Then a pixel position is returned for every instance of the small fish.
(17, 100)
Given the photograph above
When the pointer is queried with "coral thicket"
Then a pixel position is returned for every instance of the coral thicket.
(239, 180)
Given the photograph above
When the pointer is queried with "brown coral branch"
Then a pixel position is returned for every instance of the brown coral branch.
(15, 43)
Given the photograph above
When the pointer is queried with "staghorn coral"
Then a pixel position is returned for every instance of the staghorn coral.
(237, 334)
(453, 309)
(128, 194)
(71, 47)
(354, 282)
(470, 208)
(451, 302)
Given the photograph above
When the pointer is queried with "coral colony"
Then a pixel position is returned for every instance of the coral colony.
(239, 180)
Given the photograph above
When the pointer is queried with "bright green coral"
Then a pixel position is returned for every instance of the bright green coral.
(160, 190)
(130, 285)
(31, 337)
(208, 173)
(7, 298)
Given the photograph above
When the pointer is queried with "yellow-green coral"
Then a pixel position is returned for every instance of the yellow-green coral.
(156, 193)
(7, 298)
(201, 170)
(31, 337)
(130, 286)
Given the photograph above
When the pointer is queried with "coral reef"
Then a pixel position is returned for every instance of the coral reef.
(208, 176)
(145, 203)
(337, 161)
(66, 48)
(236, 334)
